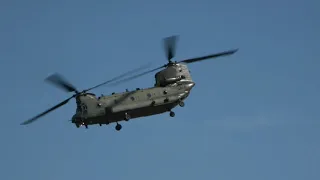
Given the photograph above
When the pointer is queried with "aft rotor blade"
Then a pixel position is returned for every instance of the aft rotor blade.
(61, 82)
(47, 111)
(120, 76)
(170, 46)
(136, 76)
(225, 53)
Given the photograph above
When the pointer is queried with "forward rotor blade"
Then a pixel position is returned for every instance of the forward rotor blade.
(120, 76)
(61, 82)
(170, 46)
(136, 76)
(47, 111)
(225, 53)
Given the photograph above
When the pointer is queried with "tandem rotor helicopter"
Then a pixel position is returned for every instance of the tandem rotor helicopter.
(172, 86)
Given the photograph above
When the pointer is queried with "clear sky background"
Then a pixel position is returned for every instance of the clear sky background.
(253, 115)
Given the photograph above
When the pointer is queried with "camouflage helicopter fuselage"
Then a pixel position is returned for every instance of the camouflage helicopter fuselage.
(172, 87)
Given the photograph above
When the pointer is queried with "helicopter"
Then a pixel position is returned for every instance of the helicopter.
(173, 84)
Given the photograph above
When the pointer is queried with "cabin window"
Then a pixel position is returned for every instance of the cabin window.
(132, 98)
(165, 92)
(149, 95)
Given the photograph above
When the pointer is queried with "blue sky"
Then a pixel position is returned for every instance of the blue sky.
(253, 115)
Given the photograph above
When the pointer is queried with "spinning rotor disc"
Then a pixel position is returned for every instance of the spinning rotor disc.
(59, 81)
(170, 50)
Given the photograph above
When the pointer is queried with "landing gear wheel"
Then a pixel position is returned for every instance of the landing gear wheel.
(118, 127)
(181, 104)
(127, 117)
(172, 114)
(86, 126)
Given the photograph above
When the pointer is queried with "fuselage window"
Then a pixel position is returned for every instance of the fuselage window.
(132, 98)
(149, 95)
